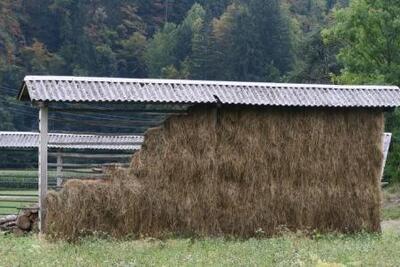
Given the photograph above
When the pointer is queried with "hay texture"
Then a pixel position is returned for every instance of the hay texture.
(238, 172)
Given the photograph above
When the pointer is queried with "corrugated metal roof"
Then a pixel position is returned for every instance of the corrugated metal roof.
(89, 89)
(71, 141)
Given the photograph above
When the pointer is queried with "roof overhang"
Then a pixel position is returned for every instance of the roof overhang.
(29, 140)
(161, 91)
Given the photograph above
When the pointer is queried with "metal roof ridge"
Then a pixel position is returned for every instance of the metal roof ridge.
(204, 82)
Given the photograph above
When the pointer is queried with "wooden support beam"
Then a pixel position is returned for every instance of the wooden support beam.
(43, 175)
(96, 143)
(90, 177)
(59, 169)
(88, 172)
(91, 156)
(87, 166)
(113, 123)
(386, 140)
(114, 110)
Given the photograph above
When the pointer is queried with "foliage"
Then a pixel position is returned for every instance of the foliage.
(367, 33)
(260, 40)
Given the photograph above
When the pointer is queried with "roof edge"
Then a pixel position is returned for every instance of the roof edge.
(195, 82)
(71, 134)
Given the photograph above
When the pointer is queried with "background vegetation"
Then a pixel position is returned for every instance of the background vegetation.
(310, 41)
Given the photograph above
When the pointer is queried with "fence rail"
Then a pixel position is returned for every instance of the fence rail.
(17, 195)
(91, 156)
(63, 166)
(12, 202)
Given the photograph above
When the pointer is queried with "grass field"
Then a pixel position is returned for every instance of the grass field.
(289, 250)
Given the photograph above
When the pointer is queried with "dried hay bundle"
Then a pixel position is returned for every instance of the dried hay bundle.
(238, 171)
(87, 207)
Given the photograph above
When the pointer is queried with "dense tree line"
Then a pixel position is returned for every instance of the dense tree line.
(250, 40)
(258, 40)
(312, 41)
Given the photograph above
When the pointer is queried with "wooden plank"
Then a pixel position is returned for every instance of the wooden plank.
(114, 110)
(43, 158)
(18, 200)
(115, 124)
(91, 177)
(87, 166)
(91, 156)
(387, 138)
(16, 195)
(59, 169)
(9, 207)
(80, 171)
(97, 170)
(97, 143)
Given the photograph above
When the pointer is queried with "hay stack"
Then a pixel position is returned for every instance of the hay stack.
(238, 171)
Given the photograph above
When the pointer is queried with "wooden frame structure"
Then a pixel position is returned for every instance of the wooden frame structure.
(42, 141)
(158, 96)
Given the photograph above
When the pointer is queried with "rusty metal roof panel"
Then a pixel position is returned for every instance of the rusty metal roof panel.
(89, 89)
(71, 141)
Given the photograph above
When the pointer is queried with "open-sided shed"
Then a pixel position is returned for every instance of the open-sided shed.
(307, 137)
(77, 147)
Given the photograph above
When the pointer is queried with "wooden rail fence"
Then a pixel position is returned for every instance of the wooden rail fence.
(11, 203)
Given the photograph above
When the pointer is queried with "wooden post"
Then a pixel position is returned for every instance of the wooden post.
(59, 168)
(43, 142)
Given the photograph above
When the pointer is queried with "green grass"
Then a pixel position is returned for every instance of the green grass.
(391, 213)
(391, 204)
(291, 250)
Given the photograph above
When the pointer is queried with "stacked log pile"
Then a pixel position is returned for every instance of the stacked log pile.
(25, 222)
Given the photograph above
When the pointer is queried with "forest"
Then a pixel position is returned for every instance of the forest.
(303, 41)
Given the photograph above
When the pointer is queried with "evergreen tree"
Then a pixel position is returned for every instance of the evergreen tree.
(251, 39)
(161, 50)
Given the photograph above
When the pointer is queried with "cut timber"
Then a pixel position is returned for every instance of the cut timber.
(8, 218)
(23, 222)
(7, 226)
(17, 231)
